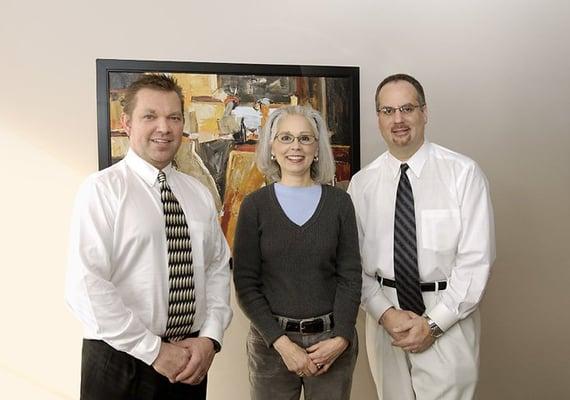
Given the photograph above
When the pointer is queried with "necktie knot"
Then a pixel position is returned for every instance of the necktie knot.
(404, 168)
(161, 177)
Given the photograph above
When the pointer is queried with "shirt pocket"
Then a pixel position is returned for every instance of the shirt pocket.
(440, 229)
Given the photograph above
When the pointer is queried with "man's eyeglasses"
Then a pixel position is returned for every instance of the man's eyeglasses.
(287, 138)
(405, 109)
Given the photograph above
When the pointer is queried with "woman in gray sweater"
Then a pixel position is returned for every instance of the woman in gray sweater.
(297, 265)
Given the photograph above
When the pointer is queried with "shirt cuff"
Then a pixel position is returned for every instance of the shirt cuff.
(377, 306)
(212, 330)
(442, 316)
(147, 349)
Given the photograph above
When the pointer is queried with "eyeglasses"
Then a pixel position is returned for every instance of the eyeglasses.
(287, 138)
(405, 109)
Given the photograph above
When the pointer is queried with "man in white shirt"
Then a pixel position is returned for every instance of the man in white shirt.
(432, 353)
(118, 278)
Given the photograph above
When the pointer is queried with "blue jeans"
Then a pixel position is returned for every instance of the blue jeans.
(270, 379)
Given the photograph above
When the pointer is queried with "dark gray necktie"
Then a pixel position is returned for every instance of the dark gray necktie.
(181, 296)
(405, 249)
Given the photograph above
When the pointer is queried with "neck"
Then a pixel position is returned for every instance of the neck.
(292, 180)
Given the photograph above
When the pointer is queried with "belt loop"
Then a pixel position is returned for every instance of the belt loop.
(436, 287)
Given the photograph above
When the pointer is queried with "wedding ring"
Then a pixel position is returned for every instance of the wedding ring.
(319, 366)
(301, 374)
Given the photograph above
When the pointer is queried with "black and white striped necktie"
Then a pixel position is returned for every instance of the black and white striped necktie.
(405, 250)
(181, 296)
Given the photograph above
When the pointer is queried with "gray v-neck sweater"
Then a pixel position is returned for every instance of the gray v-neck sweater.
(281, 268)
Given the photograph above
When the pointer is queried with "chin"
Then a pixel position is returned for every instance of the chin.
(161, 162)
(402, 141)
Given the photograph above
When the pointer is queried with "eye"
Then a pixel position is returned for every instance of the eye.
(286, 138)
(407, 108)
(176, 117)
(387, 110)
(306, 139)
(148, 117)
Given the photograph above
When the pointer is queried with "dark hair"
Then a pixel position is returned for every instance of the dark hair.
(402, 77)
(151, 81)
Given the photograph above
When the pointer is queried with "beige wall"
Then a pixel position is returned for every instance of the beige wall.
(497, 76)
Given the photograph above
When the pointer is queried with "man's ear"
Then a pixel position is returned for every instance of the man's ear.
(126, 123)
(425, 112)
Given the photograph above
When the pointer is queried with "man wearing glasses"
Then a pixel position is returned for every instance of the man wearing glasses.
(427, 242)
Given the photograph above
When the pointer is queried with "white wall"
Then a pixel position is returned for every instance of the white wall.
(497, 77)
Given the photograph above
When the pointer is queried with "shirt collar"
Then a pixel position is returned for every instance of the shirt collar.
(416, 162)
(143, 169)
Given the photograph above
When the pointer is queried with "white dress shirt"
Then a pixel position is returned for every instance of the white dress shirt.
(454, 228)
(117, 281)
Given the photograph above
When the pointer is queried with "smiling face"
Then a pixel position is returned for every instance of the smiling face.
(155, 126)
(403, 133)
(294, 159)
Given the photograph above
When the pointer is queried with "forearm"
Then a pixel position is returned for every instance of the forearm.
(373, 301)
(349, 275)
(256, 308)
(346, 304)
(96, 303)
(89, 291)
(475, 254)
(217, 290)
(247, 274)
(252, 300)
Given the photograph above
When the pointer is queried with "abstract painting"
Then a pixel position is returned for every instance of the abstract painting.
(226, 106)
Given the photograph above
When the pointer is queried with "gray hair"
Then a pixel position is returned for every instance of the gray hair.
(322, 171)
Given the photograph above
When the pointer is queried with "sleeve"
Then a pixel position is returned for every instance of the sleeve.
(349, 274)
(475, 252)
(218, 310)
(373, 301)
(89, 292)
(247, 274)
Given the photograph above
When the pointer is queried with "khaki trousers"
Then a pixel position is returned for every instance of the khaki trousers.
(448, 370)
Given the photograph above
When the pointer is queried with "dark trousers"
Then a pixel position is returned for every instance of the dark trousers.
(108, 374)
(271, 380)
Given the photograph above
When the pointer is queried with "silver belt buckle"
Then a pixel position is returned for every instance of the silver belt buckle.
(302, 324)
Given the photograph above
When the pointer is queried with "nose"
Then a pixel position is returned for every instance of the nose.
(398, 116)
(162, 125)
(295, 144)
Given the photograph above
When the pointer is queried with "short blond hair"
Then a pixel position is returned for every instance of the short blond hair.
(160, 82)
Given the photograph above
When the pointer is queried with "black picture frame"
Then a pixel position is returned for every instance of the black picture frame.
(337, 87)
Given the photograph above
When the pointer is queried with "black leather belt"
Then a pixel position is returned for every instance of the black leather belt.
(425, 286)
(308, 325)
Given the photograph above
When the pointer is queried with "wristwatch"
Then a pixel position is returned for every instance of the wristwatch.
(434, 330)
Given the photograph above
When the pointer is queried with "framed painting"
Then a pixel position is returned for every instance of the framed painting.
(226, 106)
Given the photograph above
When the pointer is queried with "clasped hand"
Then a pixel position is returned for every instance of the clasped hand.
(186, 361)
(409, 330)
(313, 361)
